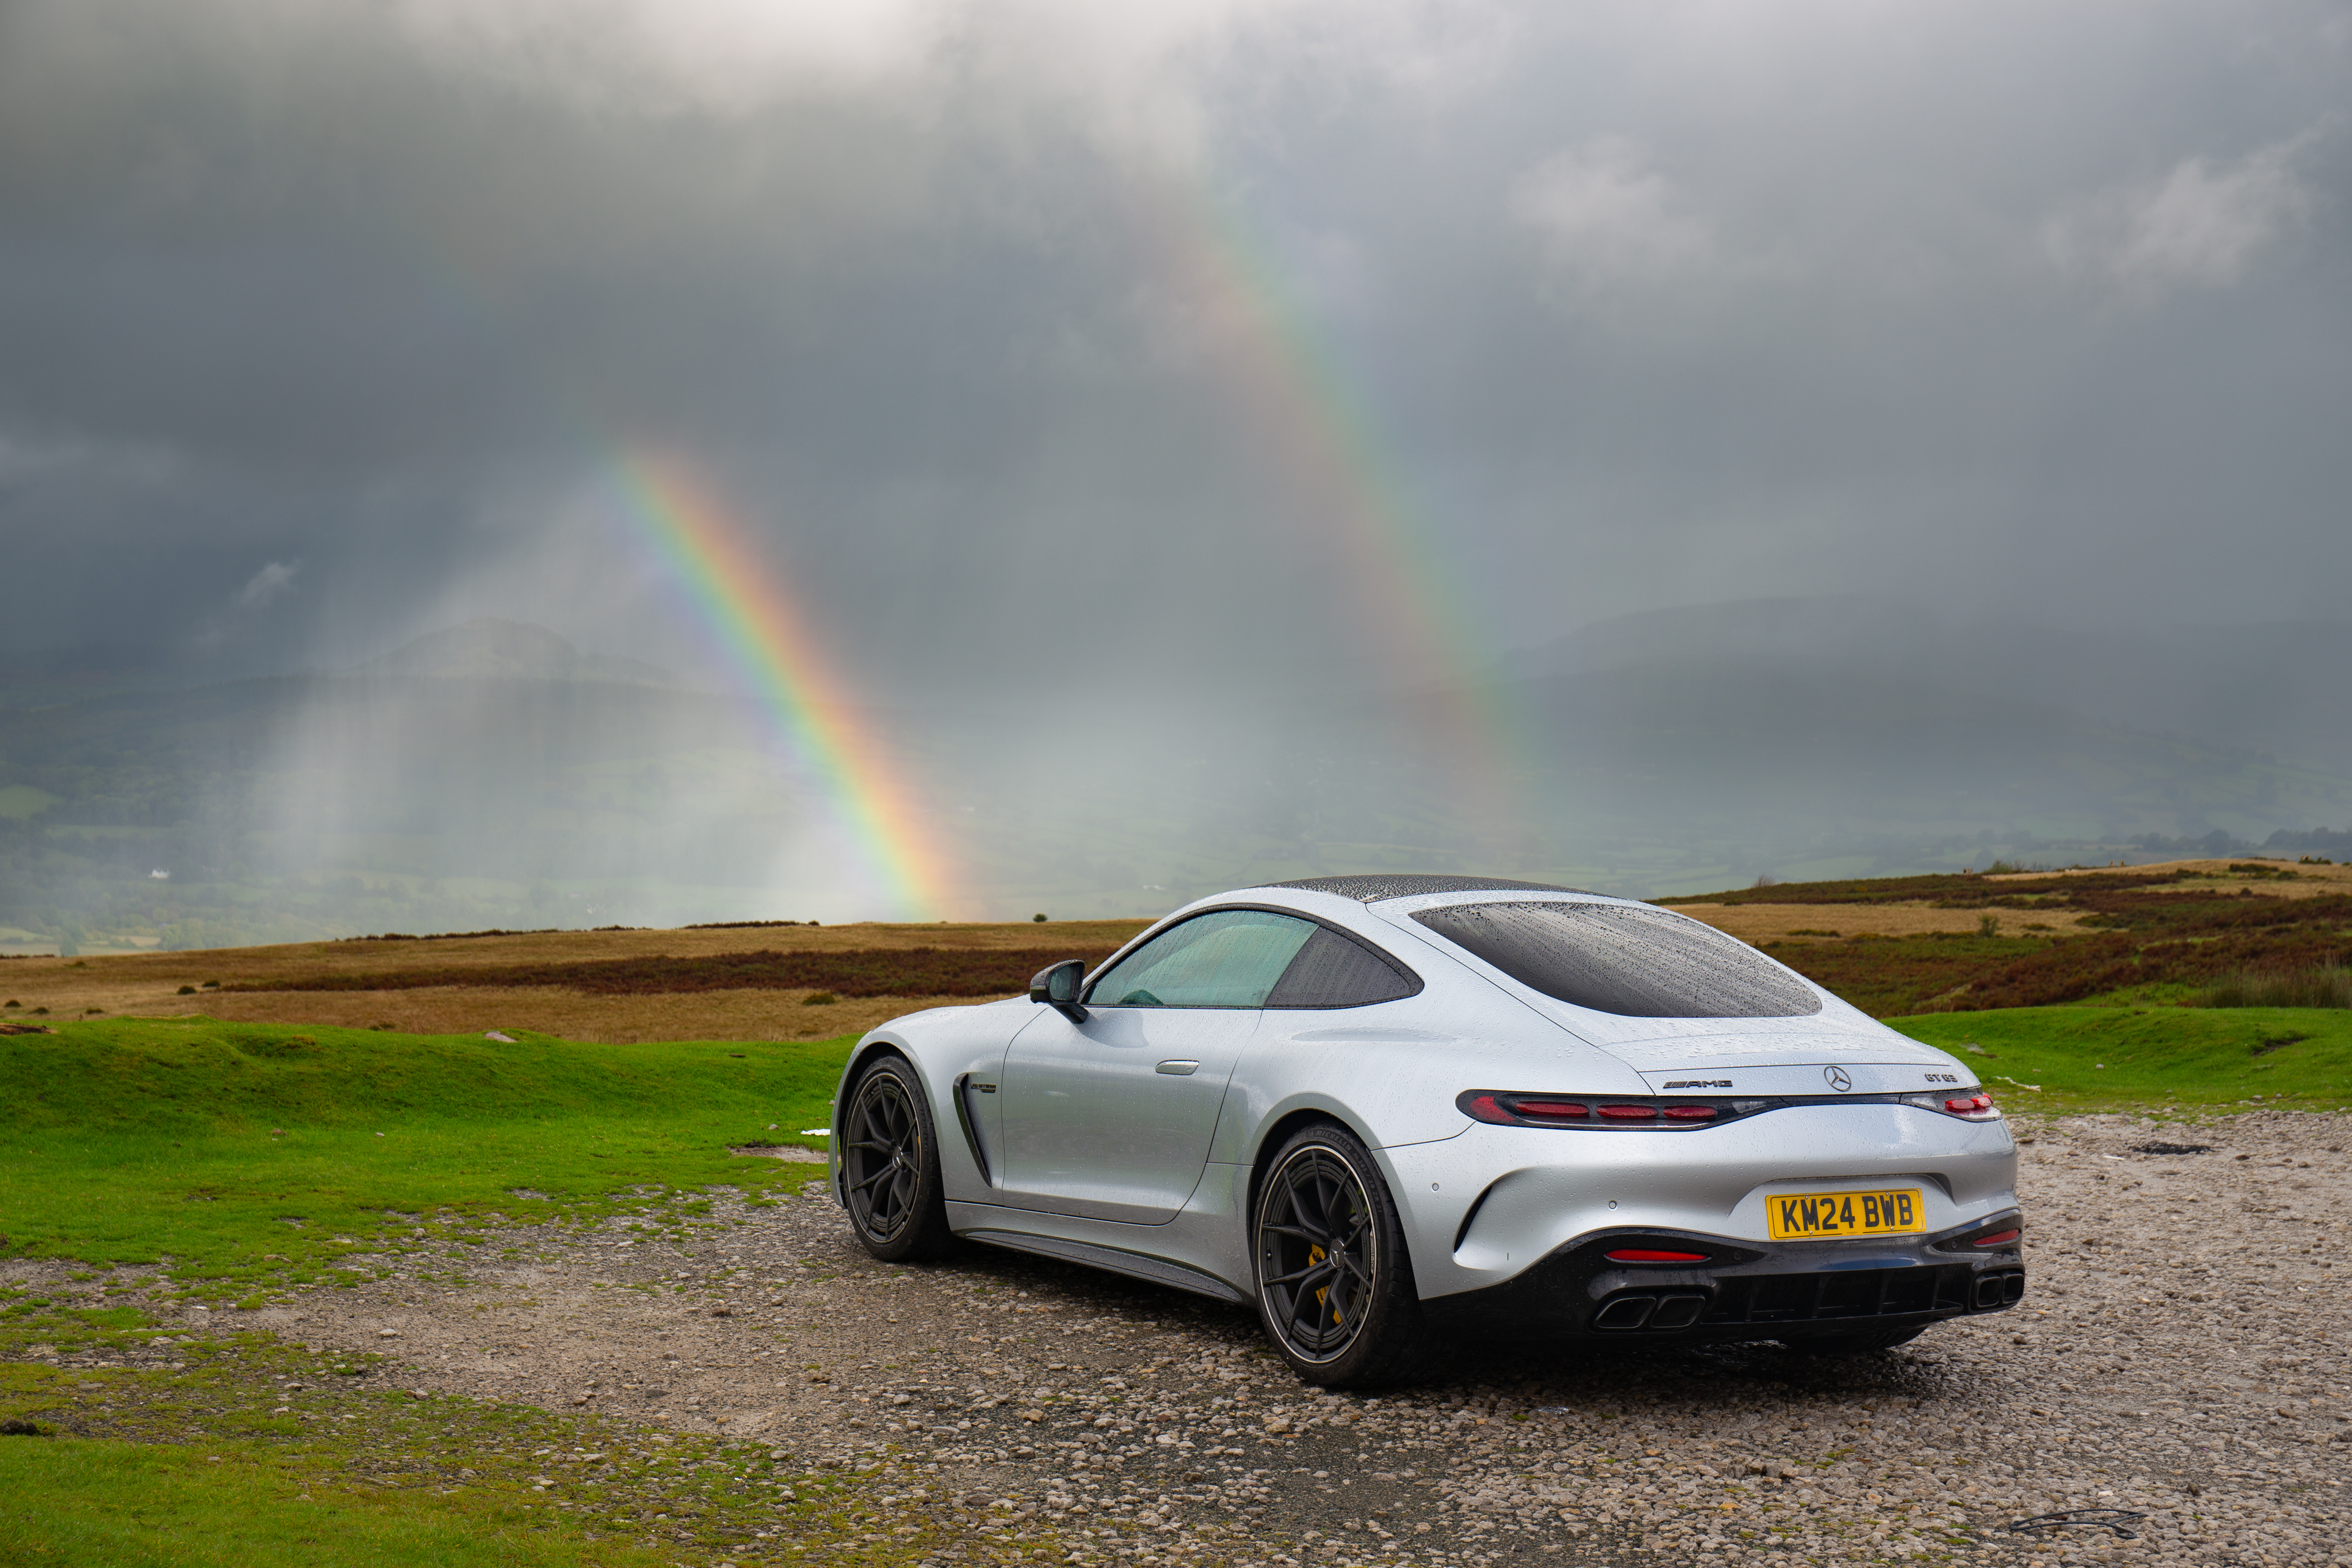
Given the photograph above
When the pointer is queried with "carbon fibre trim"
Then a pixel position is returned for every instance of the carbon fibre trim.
(1159, 1270)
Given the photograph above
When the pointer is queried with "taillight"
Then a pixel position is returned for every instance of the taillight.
(1663, 1113)
(1974, 1106)
(1486, 1108)
(1998, 1238)
(1649, 1255)
(1504, 1107)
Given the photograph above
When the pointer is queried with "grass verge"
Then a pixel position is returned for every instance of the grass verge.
(134, 1504)
(262, 1160)
(147, 1448)
(2184, 1060)
(253, 1158)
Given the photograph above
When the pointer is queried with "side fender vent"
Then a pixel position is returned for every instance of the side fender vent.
(962, 1097)
(1470, 1215)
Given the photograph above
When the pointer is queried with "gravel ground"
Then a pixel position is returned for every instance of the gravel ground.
(2180, 1355)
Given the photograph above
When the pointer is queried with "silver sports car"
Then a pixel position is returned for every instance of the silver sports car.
(1383, 1109)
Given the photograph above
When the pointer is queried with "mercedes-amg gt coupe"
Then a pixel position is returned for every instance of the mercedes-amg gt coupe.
(1383, 1110)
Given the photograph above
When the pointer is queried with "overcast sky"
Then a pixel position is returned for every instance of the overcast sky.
(1166, 342)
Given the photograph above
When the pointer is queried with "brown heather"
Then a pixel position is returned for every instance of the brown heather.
(870, 972)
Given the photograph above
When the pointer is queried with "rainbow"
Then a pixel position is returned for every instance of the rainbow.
(762, 633)
(1300, 403)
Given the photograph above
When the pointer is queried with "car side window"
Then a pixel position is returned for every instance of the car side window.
(1332, 971)
(1226, 958)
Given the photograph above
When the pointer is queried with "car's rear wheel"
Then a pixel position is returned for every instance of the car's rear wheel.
(1334, 1283)
(890, 1167)
(1855, 1344)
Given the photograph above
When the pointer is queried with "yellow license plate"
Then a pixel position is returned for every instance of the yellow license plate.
(1817, 1216)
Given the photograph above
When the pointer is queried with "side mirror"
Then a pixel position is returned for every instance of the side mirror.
(1056, 987)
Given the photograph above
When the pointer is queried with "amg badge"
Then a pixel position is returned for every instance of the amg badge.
(1700, 1083)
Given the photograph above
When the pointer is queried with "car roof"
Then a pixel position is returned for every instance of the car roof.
(1378, 887)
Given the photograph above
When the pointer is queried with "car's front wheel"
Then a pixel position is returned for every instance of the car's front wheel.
(890, 1167)
(1334, 1284)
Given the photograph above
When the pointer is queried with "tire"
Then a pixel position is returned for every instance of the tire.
(1335, 1288)
(890, 1167)
(1855, 1344)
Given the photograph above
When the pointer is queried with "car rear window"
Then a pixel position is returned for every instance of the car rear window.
(1618, 958)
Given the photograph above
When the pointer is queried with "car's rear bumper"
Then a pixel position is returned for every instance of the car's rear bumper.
(1748, 1290)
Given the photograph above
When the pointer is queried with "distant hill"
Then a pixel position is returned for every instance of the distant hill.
(2280, 686)
(492, 774)
(1864, 752)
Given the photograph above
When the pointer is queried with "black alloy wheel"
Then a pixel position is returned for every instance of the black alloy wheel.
(890, 1167)
(1334, 1283)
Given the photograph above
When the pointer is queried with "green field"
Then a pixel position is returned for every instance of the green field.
(258, 1158)
(197, 1463)
(261, 1156)
(2172, 1060)
(227, 1505)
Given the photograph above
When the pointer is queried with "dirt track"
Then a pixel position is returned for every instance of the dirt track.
(2199, 1381)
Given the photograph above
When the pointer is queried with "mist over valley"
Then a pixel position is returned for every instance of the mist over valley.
(493, 775)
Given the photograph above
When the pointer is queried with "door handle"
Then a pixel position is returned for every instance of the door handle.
(1178, 1068)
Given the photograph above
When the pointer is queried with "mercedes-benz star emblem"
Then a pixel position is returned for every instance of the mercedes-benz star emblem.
(1838, 1078)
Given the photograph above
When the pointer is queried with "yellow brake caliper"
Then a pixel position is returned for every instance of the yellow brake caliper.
(1316, 1255)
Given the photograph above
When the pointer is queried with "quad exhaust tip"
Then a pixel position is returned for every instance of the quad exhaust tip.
(2000, 1289)
(1677, 1312)
(1628, 1312)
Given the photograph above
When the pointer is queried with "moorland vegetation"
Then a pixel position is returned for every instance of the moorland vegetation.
(160, 1164)
(2201, 933)
(864, 972)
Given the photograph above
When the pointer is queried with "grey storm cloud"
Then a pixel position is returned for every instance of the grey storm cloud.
(1624, 305)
